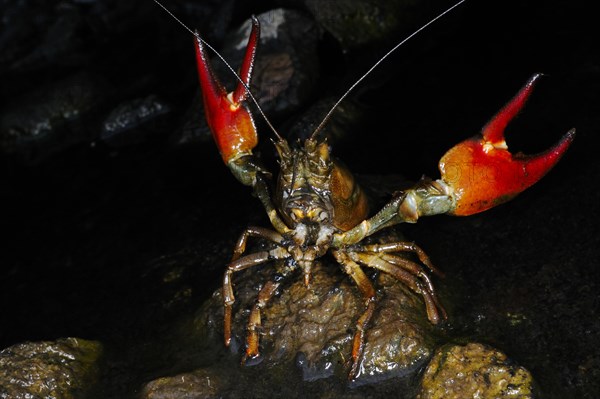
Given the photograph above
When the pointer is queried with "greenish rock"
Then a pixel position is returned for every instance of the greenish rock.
(474, 371)
(63, 369)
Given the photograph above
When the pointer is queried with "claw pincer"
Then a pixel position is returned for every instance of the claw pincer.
(483, 173)
(229, 120)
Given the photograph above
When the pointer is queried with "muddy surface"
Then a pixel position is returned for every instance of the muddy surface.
(120, 236)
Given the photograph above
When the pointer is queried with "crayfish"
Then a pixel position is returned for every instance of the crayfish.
(316, 208)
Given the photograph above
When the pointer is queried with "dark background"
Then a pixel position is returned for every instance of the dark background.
(85, 217)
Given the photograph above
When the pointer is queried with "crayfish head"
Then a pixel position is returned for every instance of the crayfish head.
(315, 188)
(303, 193)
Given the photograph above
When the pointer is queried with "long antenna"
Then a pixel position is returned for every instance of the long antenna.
(227, 65)
(328, 116)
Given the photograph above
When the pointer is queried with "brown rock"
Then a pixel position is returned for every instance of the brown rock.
(315, 325)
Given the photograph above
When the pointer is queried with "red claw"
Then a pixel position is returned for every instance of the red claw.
(483, 173)
(229, 120)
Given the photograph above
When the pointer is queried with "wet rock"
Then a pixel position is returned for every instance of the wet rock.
(134, 121)
(345, 120)
(314, 326)
(193, 127)
(400, 340)
(54, 35)
(64, 369)
(73, 33)
(126, 49)
(51, 118)
(210, 17)
(198, 384)
(286, 63)
(474, 371)
(285, 70)
(357, 23)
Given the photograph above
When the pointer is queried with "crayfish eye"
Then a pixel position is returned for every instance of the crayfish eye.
(323, 216)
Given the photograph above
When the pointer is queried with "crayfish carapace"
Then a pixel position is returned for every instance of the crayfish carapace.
(318, 208)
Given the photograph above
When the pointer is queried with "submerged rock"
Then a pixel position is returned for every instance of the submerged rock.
(474, 371)
(64, 369)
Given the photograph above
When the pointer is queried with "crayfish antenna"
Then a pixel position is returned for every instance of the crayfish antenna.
(423, 27)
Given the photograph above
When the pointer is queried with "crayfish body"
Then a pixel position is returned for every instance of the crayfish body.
(319, 209)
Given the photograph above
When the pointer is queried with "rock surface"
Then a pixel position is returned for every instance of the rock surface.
(315, 325)
(198, 384)
(361, 23)
(474, 371)
(52, 117)
(63, 369)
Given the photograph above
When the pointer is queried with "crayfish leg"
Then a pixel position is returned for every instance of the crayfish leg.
(407, 272)
(368, 292)
(255, 322)
(228, 297)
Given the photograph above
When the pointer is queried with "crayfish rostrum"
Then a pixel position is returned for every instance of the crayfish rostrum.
(317, 209)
